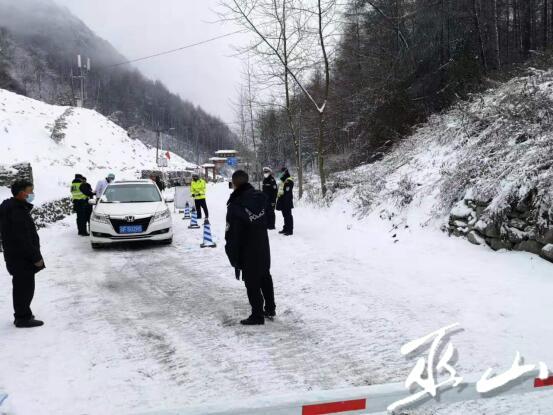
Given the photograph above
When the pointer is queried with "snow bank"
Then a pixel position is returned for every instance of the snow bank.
(493, 152)
(61, 141)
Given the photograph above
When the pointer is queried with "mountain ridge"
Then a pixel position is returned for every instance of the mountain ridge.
(39, 42)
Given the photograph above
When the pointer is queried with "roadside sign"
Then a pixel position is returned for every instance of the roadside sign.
(162, 162)
(232, 161)
(182, 195)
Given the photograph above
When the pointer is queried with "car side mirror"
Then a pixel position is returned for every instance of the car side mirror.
(92, 202)
(169, 199)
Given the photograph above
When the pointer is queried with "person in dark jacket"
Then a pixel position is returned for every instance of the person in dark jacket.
(80, 204)
(270, 189)
(21, 250)
(247, 246)
(160, 184)
(285, 201)
(86, 189)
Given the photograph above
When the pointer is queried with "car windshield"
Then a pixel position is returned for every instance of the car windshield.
(131, 193)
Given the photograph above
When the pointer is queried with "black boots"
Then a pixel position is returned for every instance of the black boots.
(258, 321)
(28, 323)
(269, 314)
(253, 321)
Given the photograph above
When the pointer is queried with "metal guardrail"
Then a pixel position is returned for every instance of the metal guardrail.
(351, 401)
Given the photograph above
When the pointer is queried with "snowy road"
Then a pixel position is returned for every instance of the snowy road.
(143, 328)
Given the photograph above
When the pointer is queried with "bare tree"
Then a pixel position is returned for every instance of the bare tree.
(268, 21)
(478, 26)
(495, 36)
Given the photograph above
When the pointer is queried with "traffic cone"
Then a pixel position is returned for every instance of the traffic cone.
(186, 211)
(208, 240)
(194, 220)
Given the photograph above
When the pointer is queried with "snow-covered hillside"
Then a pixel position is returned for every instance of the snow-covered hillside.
(490, 158)
(88, 144)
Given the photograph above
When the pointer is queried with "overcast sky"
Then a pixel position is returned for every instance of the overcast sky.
(207, 75)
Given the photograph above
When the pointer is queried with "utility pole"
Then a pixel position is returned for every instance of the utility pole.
(157, 144)
(84, 69)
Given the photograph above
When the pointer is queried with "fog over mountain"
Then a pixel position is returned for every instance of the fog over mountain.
(207, 75)
(39, 42)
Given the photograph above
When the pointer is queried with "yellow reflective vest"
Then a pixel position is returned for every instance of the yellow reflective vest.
(197, 189)
(76, 193)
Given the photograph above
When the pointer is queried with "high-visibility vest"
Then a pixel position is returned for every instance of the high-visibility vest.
(197, 189)
(281, 187)
(76, 193)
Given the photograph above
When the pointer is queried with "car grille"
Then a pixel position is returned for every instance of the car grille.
(145, 222)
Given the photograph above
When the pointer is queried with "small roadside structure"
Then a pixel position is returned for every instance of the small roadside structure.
(226, 153)
(210, 167)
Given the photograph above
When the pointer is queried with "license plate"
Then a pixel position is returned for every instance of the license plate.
(130, 229)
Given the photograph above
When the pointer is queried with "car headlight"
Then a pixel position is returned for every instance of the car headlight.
(98, 217)
(163, 215)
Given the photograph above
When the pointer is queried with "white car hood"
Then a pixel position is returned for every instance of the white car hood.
(129, 209)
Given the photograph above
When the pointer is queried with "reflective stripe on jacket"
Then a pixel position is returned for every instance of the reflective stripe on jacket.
(76, 193)
(282, 187)
(197, 189)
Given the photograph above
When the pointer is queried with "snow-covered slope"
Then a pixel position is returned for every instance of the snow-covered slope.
(87, 143)
(491, 157)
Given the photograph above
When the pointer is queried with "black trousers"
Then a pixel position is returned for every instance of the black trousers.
(201, 203)
(260, 291)
(81, 208)
(270, 216)
(88, 212)
(23, 293)
(288, 221)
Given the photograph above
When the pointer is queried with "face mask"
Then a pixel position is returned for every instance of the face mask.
(30, 198)
(267, 175)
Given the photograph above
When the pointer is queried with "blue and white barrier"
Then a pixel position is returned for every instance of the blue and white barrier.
(194, 220)
(208, 240)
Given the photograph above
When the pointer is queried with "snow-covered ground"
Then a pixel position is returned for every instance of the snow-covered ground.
(92, 146)
(137, 329)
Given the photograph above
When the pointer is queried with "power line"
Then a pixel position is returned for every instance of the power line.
(203, 42)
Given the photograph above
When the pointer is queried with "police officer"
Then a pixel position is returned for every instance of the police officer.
(86, 189)
(80, 204)
(197, 190)
(270, 188)
(247, 247)
(285, 201)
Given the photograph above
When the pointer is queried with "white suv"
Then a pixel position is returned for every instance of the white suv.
(130, 211)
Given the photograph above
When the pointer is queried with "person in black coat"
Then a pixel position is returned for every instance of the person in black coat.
(86, 189)
(160, 184)
(247, 246)
(21, 250)
(80, 204)
(285, 201)
(270, 189)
